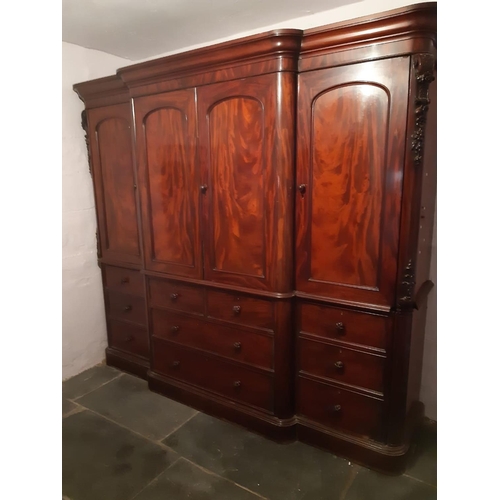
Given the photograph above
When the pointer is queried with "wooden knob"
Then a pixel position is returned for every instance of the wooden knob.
(176, 364)
(175, 329)
(339, 365)
(125, 280)
(237, 384)
(203, 188)
(236, 310)
(302, 189)
(237, 346)
(127, 308)
(337, 408)
(174, 296)
(129, 338)
(340, 327)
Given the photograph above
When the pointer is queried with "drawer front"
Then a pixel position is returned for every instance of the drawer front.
(243, 346)
(127, 307)
(339, 409)
(175, 295)
(240, 309)
(124, 280)
(346, 326)
(128, 338)
(234, 382)
(341, 364)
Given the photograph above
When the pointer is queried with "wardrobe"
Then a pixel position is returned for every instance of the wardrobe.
(265, 211)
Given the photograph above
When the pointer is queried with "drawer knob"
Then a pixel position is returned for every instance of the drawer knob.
(236, 310)
(127, 308)
(176, 364)
(337, 408)
(129, 338)
(174, 296)
(340, 327)
(203, 188)
(237, 346)
(339, 365)
(175, 329)
(125, 280)
(302, 189)
(237, 384)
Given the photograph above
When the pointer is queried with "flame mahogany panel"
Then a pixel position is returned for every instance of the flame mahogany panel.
(349, 161)
(114, 182)
(169, 182)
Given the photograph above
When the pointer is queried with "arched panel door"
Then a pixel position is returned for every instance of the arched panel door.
(111, 151)
(169, 182)
(237, 123)
(350, 156)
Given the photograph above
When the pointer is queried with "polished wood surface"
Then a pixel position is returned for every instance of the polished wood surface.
(248, 347)
(114, 182)
(264, 213)
(348, 161)
(169, 182)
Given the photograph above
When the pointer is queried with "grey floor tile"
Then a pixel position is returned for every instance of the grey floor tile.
(88, 381)
(275, 471)
(185, 481)
(68, 407)
(128, 401)
(103, 461)
(369, 485)
(423, 462)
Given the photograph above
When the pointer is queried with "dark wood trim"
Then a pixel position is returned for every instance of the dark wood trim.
(127, 362)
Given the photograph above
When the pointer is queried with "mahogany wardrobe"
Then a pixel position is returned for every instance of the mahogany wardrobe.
(265, 210)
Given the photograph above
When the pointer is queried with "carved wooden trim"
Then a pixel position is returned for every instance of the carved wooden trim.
(407, 285)
(424, 65)
(85, 126)
(98, 245)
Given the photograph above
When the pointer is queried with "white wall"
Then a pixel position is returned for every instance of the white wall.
(83, 324)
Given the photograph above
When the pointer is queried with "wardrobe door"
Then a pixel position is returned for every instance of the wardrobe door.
(237, 127)
(110, 139)
(350, 156)
(169, 182)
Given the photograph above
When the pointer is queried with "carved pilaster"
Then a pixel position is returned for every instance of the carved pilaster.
(407, 286)
(98, 245)
(424, 65)
(85, 126)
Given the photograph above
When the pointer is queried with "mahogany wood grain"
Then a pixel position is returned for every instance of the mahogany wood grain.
(341, 364)
(114, 182)
(344, 326)
(126, 307)
(123, 280)
(129, 338)
(240, 309)
(169, 182)
(237, 344)
(234, 382)
(348, 161)
(339, 409)
(176, 295)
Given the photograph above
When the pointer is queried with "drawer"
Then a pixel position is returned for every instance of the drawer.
(243, 346)
(339, 409)
(343, 325)
(341, 364)
(175, 295)
(240, 309)
(129, 338)
(232, 381)
(126, 307)
(124, 280)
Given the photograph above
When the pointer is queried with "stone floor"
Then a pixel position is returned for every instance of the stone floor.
(123, 442)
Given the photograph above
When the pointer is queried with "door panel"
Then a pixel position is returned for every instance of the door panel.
(237, 123)
(114, 180)
(169, 180)
(350, 155)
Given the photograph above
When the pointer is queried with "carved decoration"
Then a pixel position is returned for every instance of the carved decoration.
(424, 65)
(408, 284)
(98, 245)
(85, 126)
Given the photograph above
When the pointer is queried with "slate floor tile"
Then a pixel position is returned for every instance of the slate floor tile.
(184, 480)
(369, 485)
(68, 407)
(103, 461)
(423, 463)
(276, 471)
(88, 381)
(128, 401)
